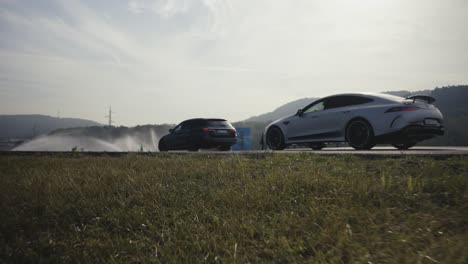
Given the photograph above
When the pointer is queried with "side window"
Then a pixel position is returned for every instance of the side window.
(177, 128)
(335, 102)
(199, 124)
(343, 101)
(356, 100)
(187, 125)
(363, 100)
(318, 106)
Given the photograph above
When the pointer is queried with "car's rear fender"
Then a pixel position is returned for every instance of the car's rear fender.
(374, 116)
(354, 118)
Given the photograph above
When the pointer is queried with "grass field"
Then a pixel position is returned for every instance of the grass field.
(233, 209)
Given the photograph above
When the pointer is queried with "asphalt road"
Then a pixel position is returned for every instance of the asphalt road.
(377, 151)
(428, 151)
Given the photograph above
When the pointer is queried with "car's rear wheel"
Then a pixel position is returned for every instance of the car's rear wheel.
(360, 135)
(403, 146)
(162, 146)
(317, 146)
(275, 139)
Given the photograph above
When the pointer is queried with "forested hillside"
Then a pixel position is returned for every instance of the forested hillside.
(29, 126)
(452, 102)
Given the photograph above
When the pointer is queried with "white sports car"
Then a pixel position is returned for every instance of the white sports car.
(361, 119)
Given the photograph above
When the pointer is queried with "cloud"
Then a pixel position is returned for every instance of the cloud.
(163, 8)
(136, 6)
(170, 8)
(148, 56)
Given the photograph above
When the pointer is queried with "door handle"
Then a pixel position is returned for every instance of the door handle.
(346, 112)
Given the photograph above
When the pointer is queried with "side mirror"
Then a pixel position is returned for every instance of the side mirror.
(299, 112)
(170, 130)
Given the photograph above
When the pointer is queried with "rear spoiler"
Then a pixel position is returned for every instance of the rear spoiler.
(426, 98)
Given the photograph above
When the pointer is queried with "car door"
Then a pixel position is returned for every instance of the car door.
(183, 136)
(338, 111)
(332, 118)
(172, 138)
(304, 126)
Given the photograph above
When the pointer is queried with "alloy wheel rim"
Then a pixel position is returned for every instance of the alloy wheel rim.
(274, 138)
(358, 133)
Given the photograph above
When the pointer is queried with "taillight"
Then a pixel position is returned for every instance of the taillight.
(205, 129)
(233, 131)
(402, 109)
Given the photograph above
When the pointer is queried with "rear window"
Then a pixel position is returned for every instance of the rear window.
(391, 97)
(219, 123)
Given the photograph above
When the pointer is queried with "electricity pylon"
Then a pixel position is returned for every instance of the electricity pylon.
(110, 116)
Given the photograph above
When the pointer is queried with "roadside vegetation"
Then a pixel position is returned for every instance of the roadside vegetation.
(233, 209)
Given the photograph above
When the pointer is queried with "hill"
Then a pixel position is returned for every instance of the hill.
(405, 94)
(282, 111)
(452, 102)
(29, 126)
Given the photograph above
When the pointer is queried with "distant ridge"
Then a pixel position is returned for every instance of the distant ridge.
(28, 126)
(282, 111)
(405, 94)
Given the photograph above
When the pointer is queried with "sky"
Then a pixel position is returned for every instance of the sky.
(163, 61)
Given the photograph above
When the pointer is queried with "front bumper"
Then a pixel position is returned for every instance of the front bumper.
(412, 133)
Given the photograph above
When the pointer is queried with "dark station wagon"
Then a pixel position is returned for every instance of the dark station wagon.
(200, 133)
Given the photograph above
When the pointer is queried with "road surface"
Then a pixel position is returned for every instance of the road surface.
(377, 151)
(428, 151)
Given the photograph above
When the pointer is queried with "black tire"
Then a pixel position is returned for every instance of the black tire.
(162, 146)
(360, 135)
(193, 148)
(318, 146)
(275, 138)
(224, 148)
(403, 146)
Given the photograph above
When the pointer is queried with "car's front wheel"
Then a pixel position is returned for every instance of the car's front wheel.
(403, 146)
(162, 146)
(275, 139)
(360, 135)
(193, 147)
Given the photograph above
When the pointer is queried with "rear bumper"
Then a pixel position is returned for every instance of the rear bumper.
(215, 142)
(413, 133)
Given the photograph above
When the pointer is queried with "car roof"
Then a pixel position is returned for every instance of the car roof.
(372, 95)
(204, 119)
